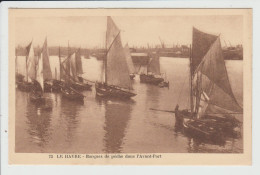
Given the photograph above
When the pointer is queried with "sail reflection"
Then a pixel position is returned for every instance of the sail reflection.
(39, 121)
(70, 119)
(117, 116)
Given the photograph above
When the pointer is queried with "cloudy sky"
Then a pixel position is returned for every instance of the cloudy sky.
(86, 31)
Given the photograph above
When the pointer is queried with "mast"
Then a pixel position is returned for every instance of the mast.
(26, 67)
(191, 94)
(60, 63)
(105, 60)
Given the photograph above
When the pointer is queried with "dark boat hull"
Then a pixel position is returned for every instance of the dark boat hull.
(71, 95)
(81, 86)
(208, 127)
(132, 76)
(24, 86)
(112, 92)
(150, 79)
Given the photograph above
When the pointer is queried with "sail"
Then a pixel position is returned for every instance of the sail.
(73, 67)
(212, 84)
(31, 62)
(46, 63)
(117, 72)
(78, 63)
(201, 43)
(39, 73)
(129, 60)
(154, 65)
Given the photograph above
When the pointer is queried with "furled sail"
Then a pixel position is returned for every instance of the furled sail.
(129, 59)
(78, 62)
(211, 84)
(154, 65)
(117, 72)
(31, 62)
(47, 75)
(39, 73)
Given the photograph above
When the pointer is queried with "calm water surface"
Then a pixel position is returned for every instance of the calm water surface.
(109, 126)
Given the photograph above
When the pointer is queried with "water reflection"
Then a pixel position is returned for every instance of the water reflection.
(69, 116)
(117, 116)
(38, 121)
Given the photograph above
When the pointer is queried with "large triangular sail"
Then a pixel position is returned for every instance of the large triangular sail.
(212, 90)
(201, 43)
(129, 59)
(116, 69)
(47, 75)
(31, 62)
(78, 62)
(73, 67)
(39, 72)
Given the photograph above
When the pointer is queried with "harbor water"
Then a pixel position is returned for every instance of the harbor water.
(114, 126)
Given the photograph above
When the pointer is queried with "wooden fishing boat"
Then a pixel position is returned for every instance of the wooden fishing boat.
(212, 102)
(153, 74)
(130, 63)
(117, 82)
(35, 72)
(24, 86)
(67, 72)
(74, 63)
(71, 93)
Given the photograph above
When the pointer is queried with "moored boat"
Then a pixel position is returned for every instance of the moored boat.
(116, 82)
(153, 74)
(212, 102)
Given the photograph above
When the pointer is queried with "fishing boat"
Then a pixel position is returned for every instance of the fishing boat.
(153, 74)
(26, 85)
(47, 74)
(212, 102)
(116, 81)
(130, 63)
(67, 90)
(35, 72)
(79, 83)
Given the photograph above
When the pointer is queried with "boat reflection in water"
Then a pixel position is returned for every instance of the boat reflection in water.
(117, 116)
(70, 119)
(39, 121)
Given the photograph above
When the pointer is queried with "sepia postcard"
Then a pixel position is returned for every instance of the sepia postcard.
(130, 86)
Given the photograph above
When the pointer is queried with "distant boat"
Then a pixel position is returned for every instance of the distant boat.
(117, 82)
(212, 102)
(129, 61)
(153, 74)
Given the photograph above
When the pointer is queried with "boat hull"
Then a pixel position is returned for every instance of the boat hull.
(112, 92)
(132, 76)
(81, 86)
(24, 86)
(71, 95)
(207, 127)
(150, 79)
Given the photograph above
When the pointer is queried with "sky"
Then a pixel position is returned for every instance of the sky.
(89, 31)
